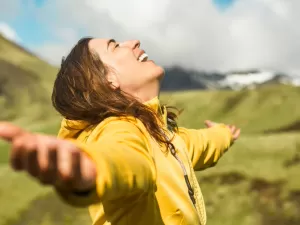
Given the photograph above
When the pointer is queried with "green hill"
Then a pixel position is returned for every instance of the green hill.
(267, 109)
(255, 183)
(25, 84)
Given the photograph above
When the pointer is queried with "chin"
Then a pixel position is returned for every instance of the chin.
(160, 72)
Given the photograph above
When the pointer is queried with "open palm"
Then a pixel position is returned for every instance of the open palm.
(234, 130)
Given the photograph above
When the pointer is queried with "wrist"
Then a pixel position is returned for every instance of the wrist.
(84, 192)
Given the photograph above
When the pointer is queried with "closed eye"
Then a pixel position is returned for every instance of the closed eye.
(117, 45)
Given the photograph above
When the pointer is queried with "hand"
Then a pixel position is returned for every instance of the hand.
(50, 160)
(234, 130)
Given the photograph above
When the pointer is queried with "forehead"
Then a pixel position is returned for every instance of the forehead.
(98, 44)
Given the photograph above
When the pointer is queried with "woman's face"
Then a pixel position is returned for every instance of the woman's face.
(131, 71)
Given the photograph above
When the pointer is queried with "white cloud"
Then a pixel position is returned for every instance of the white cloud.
(279, 7)
(10, 9)
(52, 52)
(192, 33)
(133, 14)
(9, 32)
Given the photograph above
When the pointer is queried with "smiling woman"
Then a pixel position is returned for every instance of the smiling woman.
(119, 151)
(117, 88)
(130, 74)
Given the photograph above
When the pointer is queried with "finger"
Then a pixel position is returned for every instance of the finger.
(76, 173)
(209, 123)
(229, 127)
(17, 155)
(9, 131)
(48, 174)
(31, 158)
(232, 128)
(88, 173)
(52, 169)
(236, 134)
(47, 157)
(64, 164)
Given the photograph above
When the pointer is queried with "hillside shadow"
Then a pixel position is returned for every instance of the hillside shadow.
(295, 126)
(295, 159)
(49, 209)
(271, 203)
(233, 101)
(15, 83)
(19, 89)
(269, 198)
(228, 178)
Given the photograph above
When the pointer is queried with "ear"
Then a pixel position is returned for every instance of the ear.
(113, 81)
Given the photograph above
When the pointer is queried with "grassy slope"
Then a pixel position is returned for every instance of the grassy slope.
(252, 184)
(25, 81)
(254, 111)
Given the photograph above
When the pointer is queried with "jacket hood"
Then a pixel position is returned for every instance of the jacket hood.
(72, 128)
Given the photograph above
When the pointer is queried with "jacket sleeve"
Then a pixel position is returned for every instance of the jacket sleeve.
(206, 146)
(124, 165)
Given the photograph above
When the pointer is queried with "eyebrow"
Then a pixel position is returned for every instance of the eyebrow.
(110, 41)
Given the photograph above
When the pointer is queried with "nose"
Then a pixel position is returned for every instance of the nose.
(132, 44)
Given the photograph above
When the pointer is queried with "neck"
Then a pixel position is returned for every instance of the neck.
(148, 94)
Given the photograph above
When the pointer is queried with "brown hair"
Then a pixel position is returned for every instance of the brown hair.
(82, 92)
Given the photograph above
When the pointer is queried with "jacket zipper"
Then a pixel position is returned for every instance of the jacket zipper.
(186, 178)
(190, 189)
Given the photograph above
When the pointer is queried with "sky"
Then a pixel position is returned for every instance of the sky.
(218, 35)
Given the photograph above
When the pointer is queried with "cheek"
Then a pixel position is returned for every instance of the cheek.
(132, 80)
(124, 66)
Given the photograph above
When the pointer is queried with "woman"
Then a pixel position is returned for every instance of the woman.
(118, 150)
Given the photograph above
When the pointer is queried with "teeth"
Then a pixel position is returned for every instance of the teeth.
(143, 58)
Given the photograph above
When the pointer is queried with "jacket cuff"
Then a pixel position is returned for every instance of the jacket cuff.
(79, 199)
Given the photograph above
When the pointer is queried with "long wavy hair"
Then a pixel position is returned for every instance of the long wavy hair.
(82, 92)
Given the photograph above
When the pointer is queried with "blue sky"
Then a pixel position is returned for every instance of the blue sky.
(28, 26)
(223, 4)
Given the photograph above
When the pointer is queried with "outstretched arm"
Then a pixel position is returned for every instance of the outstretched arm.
(115, 165)
(206, 146)
(123, 163)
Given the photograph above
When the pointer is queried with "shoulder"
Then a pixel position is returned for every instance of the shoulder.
(125, 126)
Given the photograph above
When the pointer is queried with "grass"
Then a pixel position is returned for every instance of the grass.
(255, 111)
(25, 80)
(254, 181)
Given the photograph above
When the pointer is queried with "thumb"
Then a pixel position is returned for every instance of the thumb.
(9, 131)
(209, 123)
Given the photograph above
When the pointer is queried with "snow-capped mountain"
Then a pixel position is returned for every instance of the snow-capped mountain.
(252, 79)
(178, 78)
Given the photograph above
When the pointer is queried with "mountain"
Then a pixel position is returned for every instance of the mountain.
(251, 79)
(178, 78)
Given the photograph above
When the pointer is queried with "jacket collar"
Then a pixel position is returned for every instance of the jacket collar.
(71, 128)
(154, 104)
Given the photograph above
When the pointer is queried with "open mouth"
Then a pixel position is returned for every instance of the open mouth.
(143, 57)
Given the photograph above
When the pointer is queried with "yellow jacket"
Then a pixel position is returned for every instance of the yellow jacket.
(138, 183)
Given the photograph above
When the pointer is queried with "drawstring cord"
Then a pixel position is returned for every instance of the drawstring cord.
(174, 153)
